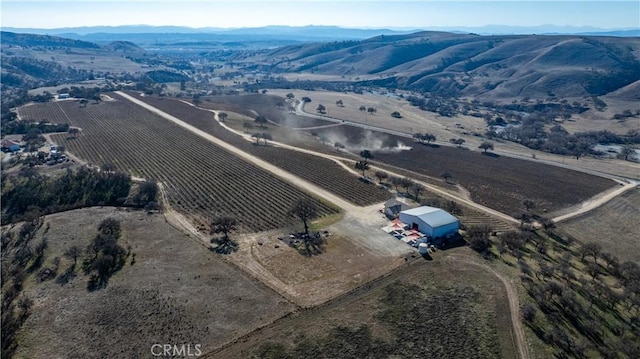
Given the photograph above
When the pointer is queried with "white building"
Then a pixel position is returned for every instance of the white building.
(433, 222)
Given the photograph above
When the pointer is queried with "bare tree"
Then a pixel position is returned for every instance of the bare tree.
(362, 166)
(593, 249)
(224, 225)
(362, 108)
(73, 253)
(417, 189)
(222, 116)
(381, 175)
(306, 210)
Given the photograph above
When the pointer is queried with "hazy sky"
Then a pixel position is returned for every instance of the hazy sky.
(346, 13)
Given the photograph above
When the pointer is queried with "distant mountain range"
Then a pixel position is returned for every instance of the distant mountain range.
(311, 33)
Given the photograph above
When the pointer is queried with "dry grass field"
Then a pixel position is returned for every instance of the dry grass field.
(177, 291)
(615, 225)
(438, 309)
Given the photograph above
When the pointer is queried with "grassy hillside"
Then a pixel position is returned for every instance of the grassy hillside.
(490, 67)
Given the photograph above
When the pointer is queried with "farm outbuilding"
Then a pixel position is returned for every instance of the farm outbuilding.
(393, 207)
(433, 222)
(10, 146)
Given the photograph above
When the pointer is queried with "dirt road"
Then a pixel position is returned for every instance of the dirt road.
(597, 201)
(512, 296)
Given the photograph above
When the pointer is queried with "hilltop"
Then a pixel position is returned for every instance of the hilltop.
(504, 67)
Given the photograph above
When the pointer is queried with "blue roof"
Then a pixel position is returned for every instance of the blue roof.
(435, 217)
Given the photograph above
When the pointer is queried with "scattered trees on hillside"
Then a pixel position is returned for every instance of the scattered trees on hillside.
(458, 141)
(106, 256)
(626, 152)
(424, 137)
(478, 237)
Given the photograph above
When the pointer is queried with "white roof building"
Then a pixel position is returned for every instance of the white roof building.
(434, 222)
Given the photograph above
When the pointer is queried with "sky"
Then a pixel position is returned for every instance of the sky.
(50, 14)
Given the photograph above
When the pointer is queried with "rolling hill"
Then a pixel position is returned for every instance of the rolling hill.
(502, 67)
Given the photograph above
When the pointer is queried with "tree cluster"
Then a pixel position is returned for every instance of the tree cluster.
(74, 189)
(104, 255)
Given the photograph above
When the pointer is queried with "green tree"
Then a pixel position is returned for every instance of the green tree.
(447, 176)
(396, 114)
(321, 109)
(306, 210)
(290, 96)
(261, 121)
(306, 99)
(362, 166)
(528, 204)
(366, 154)
(485, 146)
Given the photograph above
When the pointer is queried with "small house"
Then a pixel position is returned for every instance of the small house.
(63, 96)
(393, 207)
(10, 146)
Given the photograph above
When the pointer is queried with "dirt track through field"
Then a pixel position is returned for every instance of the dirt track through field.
(512, 296)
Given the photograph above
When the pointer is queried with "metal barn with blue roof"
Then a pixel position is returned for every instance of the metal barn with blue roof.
(433, 222)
